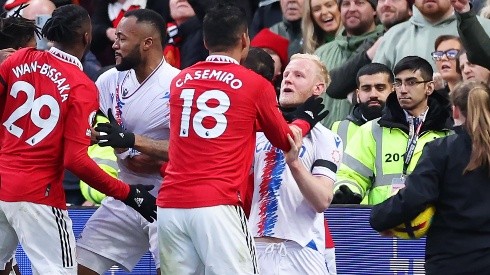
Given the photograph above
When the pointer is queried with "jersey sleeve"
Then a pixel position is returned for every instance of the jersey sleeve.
(328, 152)
(4, 74)
(81, 113)
(270, 118)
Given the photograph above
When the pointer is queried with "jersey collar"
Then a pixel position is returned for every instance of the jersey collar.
(66, 57)
(221, 59)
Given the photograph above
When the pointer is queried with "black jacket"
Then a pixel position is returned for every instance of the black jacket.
(356, 116)
(437, 119)
(460, 230)
(474, 39)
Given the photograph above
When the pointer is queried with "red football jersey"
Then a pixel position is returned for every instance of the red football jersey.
(47, 103)
(214, 106)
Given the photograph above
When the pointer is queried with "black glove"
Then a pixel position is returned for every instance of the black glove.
(310, 111)
(116, 136)
(345, 196)
(142, 201)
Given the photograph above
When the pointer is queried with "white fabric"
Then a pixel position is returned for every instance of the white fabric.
(278, 207)
(45, 233)
(206, 240)
(330, 261)
(118, 233)
(144, 110)
(289, 258)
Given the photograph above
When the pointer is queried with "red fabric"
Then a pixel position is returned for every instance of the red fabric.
(33, 172)
(328, 237)
(121, 14)
(209, 171)
(13, 4)
(249, 193)
(171, 50)
(270, 40)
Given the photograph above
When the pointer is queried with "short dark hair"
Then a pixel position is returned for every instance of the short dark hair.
(223, 27)
(260, 62)
(415, 63)
(375, 68)
(445, 37)
(152, 18)
(67, 24)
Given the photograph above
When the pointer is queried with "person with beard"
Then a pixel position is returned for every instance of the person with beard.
(376, 160)
(134, 96)
(417, 36)
(389, 13)
(375, 83)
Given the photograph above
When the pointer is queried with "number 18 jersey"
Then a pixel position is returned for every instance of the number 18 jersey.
(45, 99)
(214, 106)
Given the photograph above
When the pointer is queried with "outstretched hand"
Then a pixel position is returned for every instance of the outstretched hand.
(345, 196)
(112, 134)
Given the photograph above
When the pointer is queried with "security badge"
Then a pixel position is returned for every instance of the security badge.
(397, 184)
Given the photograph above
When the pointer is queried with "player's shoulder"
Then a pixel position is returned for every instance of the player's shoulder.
(23, 55)
(321, 131)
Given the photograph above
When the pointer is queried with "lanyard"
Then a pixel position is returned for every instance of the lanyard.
(414, 131)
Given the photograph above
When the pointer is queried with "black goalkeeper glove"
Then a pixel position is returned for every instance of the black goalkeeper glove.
(142, 201)
(116, 136)
(345, 196)
(310, 111)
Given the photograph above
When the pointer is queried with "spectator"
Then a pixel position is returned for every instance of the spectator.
(107, 15)
(389, 14)
(452, 174)
(358, 18)
(472, 72)
(320, 23)
(374, 161)
(417, 36)
(267, 14)
(185, 45)
(277, 47)
(447, 49)
(286, 218)
(290, 26)
(472, 33)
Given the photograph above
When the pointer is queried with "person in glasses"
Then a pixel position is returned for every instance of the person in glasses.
(448, 75)
(383, 151)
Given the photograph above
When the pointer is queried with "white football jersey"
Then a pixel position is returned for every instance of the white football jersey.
(278, 208)
(141, 108)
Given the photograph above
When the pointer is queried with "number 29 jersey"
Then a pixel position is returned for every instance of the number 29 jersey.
(45, 98)
(214, 106)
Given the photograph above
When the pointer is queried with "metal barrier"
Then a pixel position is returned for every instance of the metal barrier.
(359, 249)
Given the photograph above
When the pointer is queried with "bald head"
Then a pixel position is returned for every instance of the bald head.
(148, 24)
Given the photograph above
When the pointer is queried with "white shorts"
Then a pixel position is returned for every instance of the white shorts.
(330, 261)
(45, 233)
(116, 234)
(207, 240)
(290, 258)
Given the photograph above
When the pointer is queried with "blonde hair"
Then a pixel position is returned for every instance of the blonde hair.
(473, 100)
(321, 69)
(313, 35)
(485, 11)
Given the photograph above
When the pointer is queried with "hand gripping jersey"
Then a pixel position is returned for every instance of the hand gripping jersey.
(278, 208)
(213, 108)
(47, 104)
(141, 108)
